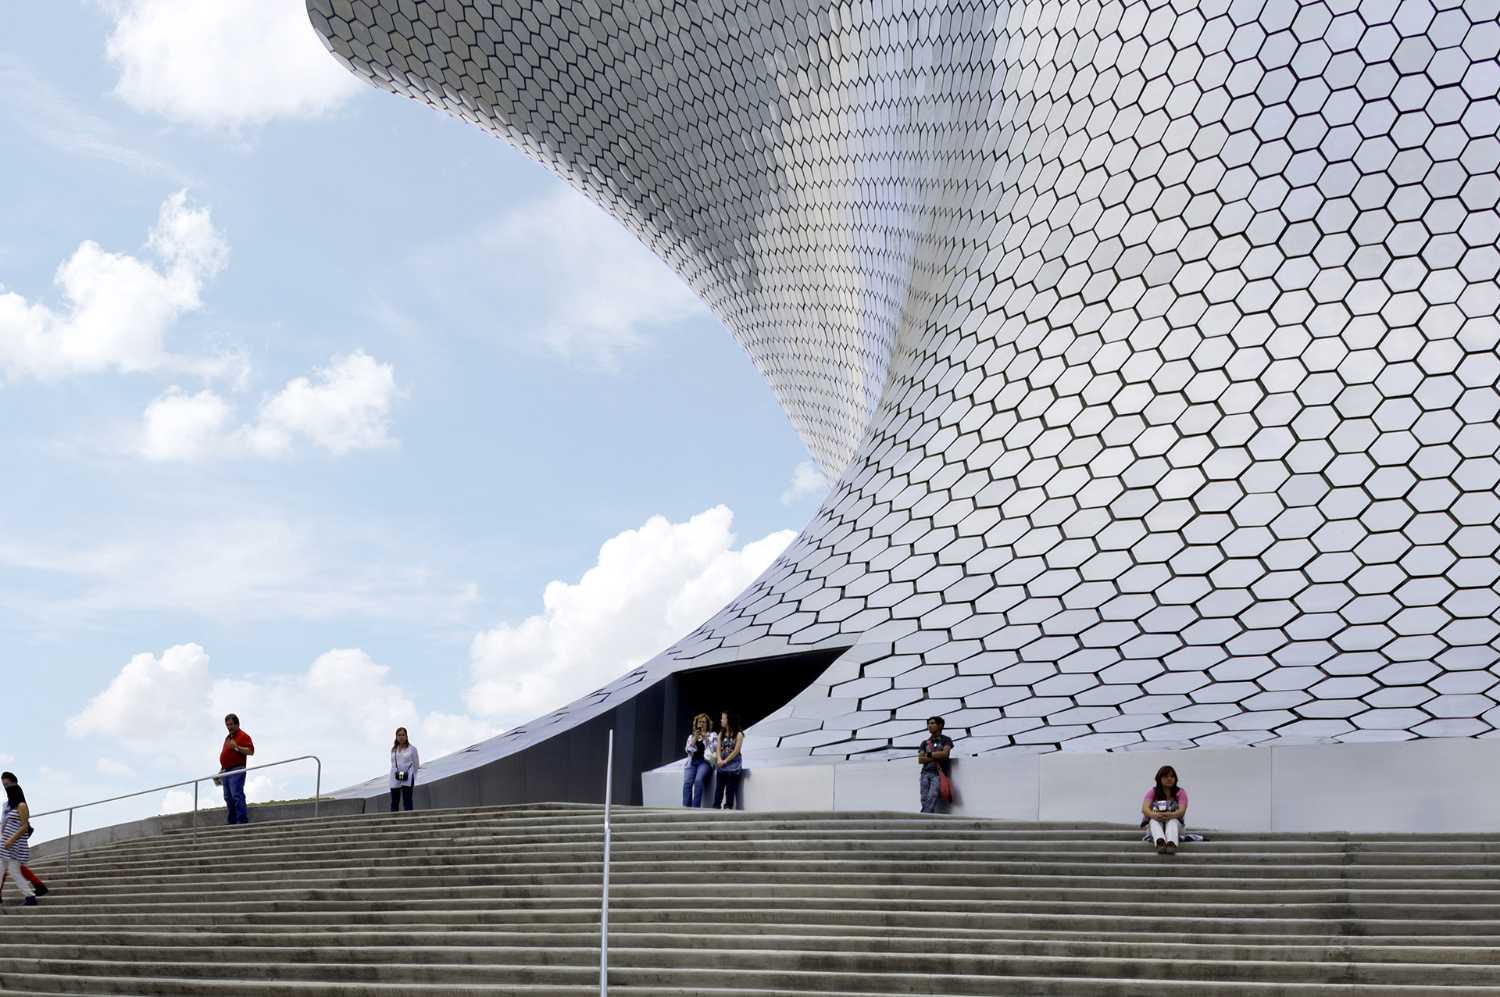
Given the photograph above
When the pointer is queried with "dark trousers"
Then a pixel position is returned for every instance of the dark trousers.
(234, 799)
(402, 795)
(727, 790)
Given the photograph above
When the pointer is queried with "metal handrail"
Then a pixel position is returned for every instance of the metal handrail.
(244, 769)
(609, 773)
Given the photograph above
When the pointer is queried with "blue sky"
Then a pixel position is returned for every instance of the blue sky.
(323, 405)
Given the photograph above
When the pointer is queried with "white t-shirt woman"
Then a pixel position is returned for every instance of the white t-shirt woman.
(404, 766)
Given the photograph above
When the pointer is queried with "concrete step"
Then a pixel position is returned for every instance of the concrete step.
(621, 985)
(1396, 948)
(750, 917)
(471, 946)
(1460, 905)
(843, 874)
(244, 841)
(1339, 920)
(946, 973)
(675, 822)
(686, 949)
(1198, 860)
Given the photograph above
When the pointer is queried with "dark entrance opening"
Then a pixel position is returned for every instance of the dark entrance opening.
(752, 690)
(650, 728)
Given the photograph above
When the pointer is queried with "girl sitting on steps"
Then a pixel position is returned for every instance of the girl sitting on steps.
(1164, 810)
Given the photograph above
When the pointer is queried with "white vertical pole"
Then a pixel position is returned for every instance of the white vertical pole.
(609, 772)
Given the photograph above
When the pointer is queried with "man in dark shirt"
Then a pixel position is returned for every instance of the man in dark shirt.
(933, 757)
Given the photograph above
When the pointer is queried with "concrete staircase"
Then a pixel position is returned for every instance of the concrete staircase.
(506, 901)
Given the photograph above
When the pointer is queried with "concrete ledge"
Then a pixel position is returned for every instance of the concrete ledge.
(56, 848)
(1426, 786)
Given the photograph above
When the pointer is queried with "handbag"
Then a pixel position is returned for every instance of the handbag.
(945, 786)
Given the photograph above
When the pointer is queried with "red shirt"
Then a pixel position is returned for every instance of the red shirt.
(231, 759)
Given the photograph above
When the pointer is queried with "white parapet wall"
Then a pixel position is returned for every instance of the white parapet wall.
(1449, 785)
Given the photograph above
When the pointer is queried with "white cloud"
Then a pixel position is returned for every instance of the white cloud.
(180, 426)
(113, 768)
(169, 709)
(649, 587)
(345, 407)
(807, 481)
(600, 289)
(226, 63)
(120, 308)
(180, 800)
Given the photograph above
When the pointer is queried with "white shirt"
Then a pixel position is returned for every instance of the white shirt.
(710, 749)
(407, 761)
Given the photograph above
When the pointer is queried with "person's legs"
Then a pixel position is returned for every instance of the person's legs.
(234, 799)
(395, 797)
(700, 779)
(721, 785)
(13, 873)
(408, 794)
(689, 773)
(732, 794)
(1174, 832)
(1158, 833)
(929, 789)
(34, 880)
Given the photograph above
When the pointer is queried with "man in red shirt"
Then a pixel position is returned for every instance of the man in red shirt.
(237, 748)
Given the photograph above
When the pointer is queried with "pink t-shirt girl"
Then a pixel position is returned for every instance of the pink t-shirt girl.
(1150, 798)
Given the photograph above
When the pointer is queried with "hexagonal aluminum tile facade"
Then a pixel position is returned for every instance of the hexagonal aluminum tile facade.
(1153, 344)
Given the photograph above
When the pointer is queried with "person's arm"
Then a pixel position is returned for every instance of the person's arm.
(941, 754)
(416, 762)
(739, 742)
(688, 748)
(25, 813)
(1146, 808)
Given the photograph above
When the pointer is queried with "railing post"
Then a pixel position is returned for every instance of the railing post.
(318, 785)
(70, 841)
(195, 811)
(609, 774)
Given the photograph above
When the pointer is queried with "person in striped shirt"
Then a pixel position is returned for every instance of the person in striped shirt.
(7, 780)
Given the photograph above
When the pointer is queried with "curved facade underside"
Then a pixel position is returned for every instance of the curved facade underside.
(1153, 345)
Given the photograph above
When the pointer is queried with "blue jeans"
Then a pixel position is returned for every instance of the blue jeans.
(694, 776)
(234, 799)
(929, 788)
